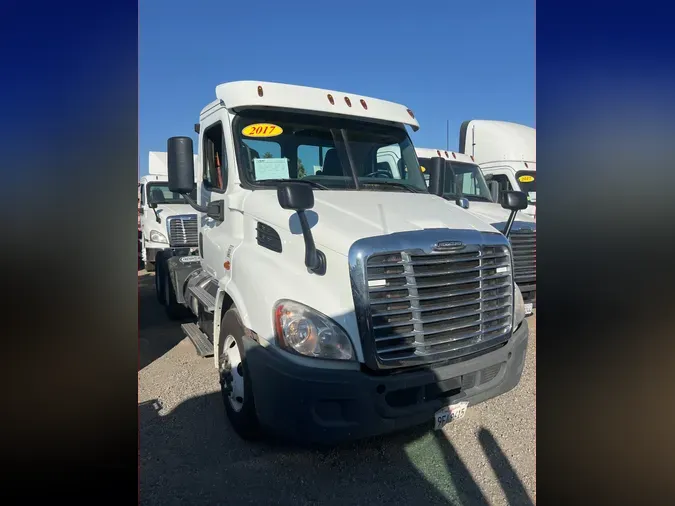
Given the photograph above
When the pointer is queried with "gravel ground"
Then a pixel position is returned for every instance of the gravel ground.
(190, 455)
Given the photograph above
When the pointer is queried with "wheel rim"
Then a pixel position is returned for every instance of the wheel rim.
(234, 373)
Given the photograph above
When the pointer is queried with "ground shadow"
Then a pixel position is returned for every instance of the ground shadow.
(508, 478)
(191, 455)
(157, 333)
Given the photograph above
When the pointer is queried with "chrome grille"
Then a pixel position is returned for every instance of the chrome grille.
(417, 306)
(182, 230)
(524, 246)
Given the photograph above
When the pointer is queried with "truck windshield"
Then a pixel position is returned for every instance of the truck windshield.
(528, 183)
(159, 193)
(331, 153)
(469, 178)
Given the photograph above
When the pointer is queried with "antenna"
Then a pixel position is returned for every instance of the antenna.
(447, 135)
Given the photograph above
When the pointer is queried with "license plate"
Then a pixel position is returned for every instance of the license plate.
(528, 308)
(449, 414)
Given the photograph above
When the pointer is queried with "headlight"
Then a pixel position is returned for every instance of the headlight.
(157, 237)
(519, 308)
(307, 332)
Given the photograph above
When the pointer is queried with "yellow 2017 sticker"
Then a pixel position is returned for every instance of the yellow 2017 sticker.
(422, 168)
(262, 130)
(525, 179)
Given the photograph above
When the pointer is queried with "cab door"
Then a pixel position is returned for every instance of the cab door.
(212, 183)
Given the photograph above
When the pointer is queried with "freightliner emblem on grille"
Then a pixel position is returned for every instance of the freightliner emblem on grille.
(448, 245)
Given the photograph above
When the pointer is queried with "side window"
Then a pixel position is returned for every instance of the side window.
(215, 159)
(504, 185)
(310, 159)
(388, 161)
(502, 180)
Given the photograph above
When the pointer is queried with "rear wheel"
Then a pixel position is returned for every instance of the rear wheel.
(159, 284)
(235, 379)
(174, 310)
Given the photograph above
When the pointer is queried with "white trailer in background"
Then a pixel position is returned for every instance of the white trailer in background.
(166, 219)
(506, 153)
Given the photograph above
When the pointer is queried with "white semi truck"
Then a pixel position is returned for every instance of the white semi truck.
(506, 153)
(463, 183)
(337, 301)
(166, 219)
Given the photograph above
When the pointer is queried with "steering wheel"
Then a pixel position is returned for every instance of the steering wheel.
(379, 173)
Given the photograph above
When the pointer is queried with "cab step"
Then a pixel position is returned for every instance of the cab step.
(200, 341)
(205, 298)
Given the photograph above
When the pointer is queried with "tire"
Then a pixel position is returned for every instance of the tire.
(174, 310)
(236, 379)
(159, 284)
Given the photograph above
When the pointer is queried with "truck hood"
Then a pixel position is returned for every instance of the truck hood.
(167, 210)
(496, 215)
(339, 218)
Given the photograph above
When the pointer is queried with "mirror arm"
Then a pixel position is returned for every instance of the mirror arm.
(315, 260)
(509, 223)
(195, 206)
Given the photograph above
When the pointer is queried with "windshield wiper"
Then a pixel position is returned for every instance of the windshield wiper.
(476, 197)
(408, 187)
(312, 183)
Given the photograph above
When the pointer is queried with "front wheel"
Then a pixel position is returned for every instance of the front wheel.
(235, 379)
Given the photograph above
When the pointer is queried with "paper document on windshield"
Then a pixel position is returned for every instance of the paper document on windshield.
(532, 196)
(270, 168)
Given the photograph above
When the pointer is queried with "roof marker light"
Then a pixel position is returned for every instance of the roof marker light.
(438, 152)
(526, 166)
(454, 155)
(363, 103)
(446, 154)
(330, 99)
(260, 91)
(473, 159)
(349, 103)
(413, 117)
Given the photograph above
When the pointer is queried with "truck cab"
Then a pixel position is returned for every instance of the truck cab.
(465, 185)
(506, 153)
(338, 298)
(166, 220)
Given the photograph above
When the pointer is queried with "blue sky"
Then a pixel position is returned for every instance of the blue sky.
(446, 60)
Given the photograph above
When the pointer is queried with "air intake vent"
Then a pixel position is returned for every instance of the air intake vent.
(268, 237)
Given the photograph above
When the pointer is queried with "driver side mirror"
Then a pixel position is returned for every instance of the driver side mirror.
(436, 176)
(295, 196)
(180, 162)
(494, 190)
(152, 205)
(459, 198)
(299, 197)
(513, 201)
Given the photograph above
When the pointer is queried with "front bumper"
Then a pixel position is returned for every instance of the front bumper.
(318, 405)
(152, 248)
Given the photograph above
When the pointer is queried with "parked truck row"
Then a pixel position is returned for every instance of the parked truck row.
(339, 294)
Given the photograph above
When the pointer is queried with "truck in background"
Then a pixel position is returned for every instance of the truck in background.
(506, 153)
(338, 300)
(464, 184)
(166, 220)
